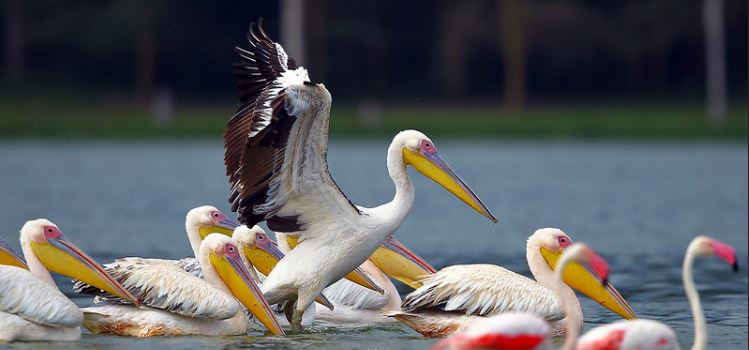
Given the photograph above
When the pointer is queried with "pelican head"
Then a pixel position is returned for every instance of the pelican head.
(50, 247)
(9, 257)
(704, 246)
(258, 248)
(226, 258)
(551, 243)
(207, 219)
(421, 153)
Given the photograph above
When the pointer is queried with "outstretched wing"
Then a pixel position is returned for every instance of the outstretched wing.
(161, 284)
(276, 142)
(483, 290)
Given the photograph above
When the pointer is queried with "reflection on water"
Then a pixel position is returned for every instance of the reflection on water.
(637, 203)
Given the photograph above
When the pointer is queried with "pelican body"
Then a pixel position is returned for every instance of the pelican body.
(348, 303)
(276, 161)
(524, 330)
(177, 303)
(32, 308)
(458, 296)
(649, 334)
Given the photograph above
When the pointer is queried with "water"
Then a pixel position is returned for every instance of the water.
(638, 203)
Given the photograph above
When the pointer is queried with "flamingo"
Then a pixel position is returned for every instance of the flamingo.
(650, 334)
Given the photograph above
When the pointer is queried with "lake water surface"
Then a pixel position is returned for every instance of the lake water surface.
(637, 203)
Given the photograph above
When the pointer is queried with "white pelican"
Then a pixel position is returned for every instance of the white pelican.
(178, 303)
(31, 306)
(353, 305)
(459, 295)
(276, 160)
(523, 330)
(199, 222)
(649, 334)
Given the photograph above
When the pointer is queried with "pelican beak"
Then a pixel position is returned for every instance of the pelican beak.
(263, 257)
(357, 276)
(431, 165)
(10, 257)
(235, 275)
(225, 226)
(398, 262)
(60, 256)
(588, 282)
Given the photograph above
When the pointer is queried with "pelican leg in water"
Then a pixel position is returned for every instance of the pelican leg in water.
(459, 295)
(522, 330)
(199, 222)
(32, 308)
(178, 303)
(276, 160)
(649, 334)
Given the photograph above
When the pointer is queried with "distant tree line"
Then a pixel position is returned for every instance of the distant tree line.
(509, 51)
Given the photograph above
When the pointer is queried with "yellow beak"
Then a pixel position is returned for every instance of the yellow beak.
(398, 262)
(357, 276)
(264, 259)
(584, 280)
(238, 280)
(207, 230)
(60, 256)
(9, 257)
(434, 167)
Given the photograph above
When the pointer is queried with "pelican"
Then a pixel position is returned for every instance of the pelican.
(649, 334)
(351, 304)
(523, 330)
(276, 160)
(458, 296)
(178, 303)
(199, 222)
(32, 308)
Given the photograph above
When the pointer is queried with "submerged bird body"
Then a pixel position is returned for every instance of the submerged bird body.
(276, 158)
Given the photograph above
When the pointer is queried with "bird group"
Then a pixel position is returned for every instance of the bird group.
(328, 251)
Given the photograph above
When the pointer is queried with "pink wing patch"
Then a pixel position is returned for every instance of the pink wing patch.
(612, 341)
(492, 341)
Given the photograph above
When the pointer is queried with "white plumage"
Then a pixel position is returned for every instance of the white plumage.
(24, 296)
(176, 302)
(456, 297)
(276, 148)
(484, 290)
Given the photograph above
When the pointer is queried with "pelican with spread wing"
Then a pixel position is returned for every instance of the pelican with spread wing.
(276, 159)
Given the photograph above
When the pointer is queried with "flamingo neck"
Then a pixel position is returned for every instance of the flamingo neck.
(545, 276)
(560, 288)
(700, 335)
(35, 266)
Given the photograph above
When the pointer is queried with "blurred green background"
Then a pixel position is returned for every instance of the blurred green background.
(572, 68)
